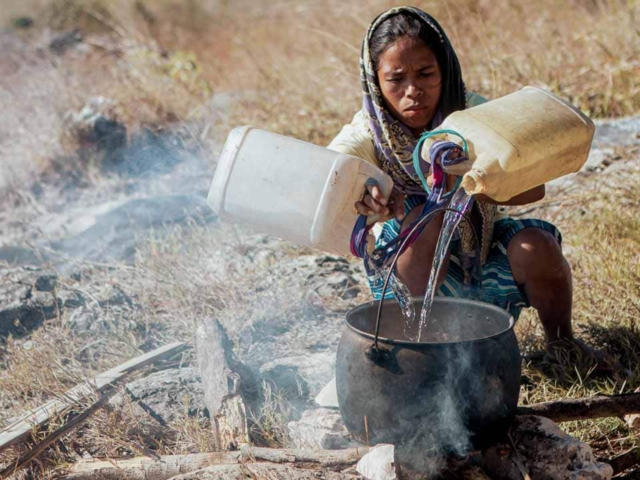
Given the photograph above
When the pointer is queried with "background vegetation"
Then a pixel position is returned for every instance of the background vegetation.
(292, 67)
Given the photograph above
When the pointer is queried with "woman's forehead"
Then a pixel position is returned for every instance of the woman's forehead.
(407, 53)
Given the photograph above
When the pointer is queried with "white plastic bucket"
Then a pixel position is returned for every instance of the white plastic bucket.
(291, 189)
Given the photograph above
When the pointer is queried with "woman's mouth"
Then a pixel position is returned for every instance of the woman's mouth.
(416, 109)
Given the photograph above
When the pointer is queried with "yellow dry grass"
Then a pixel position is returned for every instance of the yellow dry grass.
(294, 64)
(292, 67)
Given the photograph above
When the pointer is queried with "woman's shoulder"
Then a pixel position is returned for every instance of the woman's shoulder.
(359, 125)
(474, 99)
(355, 139)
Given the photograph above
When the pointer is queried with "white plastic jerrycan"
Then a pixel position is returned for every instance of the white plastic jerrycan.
(518, 142)
(291, 189)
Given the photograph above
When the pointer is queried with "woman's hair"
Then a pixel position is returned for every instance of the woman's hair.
(403, 24)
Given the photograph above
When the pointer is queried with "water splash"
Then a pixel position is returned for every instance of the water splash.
(460, 202)
(402, 294)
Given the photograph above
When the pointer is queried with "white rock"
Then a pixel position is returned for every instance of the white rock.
(320, 428)
(328, 396)
(378, 464)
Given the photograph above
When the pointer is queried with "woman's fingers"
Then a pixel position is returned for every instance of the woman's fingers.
(376, 194)
(397, 204)
(376, 206)
(430, 181)
(363, 209)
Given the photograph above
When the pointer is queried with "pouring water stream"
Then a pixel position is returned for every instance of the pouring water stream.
(458, 206)
(460, 202)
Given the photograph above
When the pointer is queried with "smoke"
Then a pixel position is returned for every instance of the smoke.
(441, 431)
(443, 400)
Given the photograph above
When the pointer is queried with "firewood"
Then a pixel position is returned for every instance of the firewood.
(144, 468)
(168, 466)
(24, 460)
(585, 408)
(323, 458)
(262, 470)
(222, 384)
(624, 461)
(20, 430)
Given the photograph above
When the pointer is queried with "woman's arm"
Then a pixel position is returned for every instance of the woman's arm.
(530, 196)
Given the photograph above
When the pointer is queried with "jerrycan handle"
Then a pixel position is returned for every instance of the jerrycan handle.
(422, 150)
(345, 185)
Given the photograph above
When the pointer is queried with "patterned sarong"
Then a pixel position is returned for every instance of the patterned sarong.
(498, 286)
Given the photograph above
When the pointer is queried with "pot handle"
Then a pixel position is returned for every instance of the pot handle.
(374, 352)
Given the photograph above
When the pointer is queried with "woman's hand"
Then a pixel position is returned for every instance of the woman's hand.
(451, 181)
(375, 203)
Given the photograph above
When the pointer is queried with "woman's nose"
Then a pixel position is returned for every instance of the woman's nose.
(412, 91)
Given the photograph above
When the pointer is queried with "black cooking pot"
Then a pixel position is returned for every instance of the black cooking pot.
(454, 391)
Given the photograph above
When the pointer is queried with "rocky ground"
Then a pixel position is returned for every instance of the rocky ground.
(95, 272)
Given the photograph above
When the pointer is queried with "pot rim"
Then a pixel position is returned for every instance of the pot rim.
(391, 341)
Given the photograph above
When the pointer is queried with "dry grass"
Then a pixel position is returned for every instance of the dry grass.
(193, 274)
(291, 67)
(197, 273)
(293, 64)
(601, 235)
(269, 425)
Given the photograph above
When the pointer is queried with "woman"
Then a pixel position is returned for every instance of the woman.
(411, 81)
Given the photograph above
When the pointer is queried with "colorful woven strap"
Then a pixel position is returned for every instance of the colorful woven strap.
(442, 153)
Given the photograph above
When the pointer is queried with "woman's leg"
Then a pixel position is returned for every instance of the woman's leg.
(537, 264)
(414, 265)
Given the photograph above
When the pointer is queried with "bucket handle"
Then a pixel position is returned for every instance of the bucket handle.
(374, 352)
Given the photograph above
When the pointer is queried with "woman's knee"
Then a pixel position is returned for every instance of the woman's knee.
(536, 252)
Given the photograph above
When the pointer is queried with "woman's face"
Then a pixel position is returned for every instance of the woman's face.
(411, 82)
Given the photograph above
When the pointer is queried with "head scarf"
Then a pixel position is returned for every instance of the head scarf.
(394, 143)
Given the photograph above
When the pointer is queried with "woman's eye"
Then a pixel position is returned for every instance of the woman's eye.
(394, 80)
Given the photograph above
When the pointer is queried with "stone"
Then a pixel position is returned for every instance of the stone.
(300, 378)
(598, 158)
(171, 394)
(621, 132)
(320, 428)
(378, 463)
(23, 307)
(545, 452)
(62, 42)
(70, 299)
(46, 283)
(339, 284)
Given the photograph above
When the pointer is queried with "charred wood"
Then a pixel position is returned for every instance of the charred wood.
(585, 408)
(227, 384)
(24, 460)
(625, 461)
